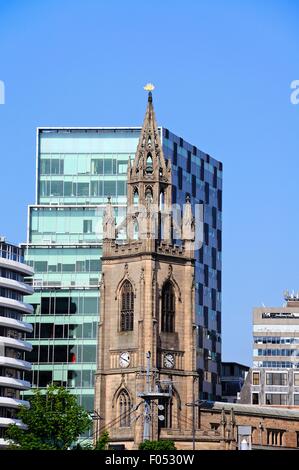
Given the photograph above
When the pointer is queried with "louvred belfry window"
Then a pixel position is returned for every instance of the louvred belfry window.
(168, 308)
(127, 307)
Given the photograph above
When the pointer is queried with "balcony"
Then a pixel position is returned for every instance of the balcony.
(16, 305)
(11, 382)
(14, 363)
(16, 343)
(17, 324)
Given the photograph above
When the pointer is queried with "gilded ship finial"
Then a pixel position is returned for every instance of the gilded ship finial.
(149, 87)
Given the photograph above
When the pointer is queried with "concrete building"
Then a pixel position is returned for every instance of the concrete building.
(233, 376)
(274, 378)
(12, 330)
(77, 169)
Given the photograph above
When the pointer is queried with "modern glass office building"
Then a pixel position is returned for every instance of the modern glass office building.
(77, 169)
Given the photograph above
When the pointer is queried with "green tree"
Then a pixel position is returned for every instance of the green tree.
(157, 445)
(54, 421)
(83, 446)
(102, 442)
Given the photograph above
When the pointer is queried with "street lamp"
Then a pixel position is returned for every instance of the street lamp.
(96, 417)
(193, 404)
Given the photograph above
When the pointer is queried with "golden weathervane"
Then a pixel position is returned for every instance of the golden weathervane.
(149, 87)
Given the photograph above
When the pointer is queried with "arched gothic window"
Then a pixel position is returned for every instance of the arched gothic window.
(124, 409)
(127, 307)
(135, 197)
(162, 199)
(149, 163)
(149, 195)
(168, 308)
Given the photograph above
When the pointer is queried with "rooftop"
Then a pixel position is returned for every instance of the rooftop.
(254, 410)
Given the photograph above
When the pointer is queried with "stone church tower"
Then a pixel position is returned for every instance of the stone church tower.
(147, 305)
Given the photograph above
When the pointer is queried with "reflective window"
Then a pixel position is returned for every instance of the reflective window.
(275, 378)
(276, 399)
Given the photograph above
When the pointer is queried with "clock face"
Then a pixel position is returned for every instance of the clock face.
(124, 359)
(169, 361)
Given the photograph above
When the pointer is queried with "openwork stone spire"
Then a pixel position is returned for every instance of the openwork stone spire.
(149, 177)
(149, 162)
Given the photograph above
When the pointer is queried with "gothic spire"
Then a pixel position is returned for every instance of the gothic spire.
(149, 161)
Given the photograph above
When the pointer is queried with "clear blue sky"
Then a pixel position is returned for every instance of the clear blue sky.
(222, 71)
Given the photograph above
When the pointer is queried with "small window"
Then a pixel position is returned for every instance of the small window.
(83, 189)
(275, 437)
(206, 275)
(206, 233)
(175, 153)
(207, 193)
(255, 378)
(215, 178)
(214, 217)
(189, 162)
(255, 398)
(296, 399)
(180, 177)
(174, 195)
(193, 185)
(214, 426)
(122, 167)
(219, 199)
(296, 380)
(87, 226)
(202, 170)
(110, 188)
(97, 166)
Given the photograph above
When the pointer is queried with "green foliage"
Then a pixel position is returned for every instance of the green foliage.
(102, 442)
(54, 421)
(83, 446)
(157, 445)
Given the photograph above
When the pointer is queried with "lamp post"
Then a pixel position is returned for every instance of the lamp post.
(193, 404)
(96, 417)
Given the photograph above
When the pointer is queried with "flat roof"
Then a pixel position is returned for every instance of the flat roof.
(235, 363)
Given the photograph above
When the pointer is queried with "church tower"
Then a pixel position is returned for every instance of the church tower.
(147, 305)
